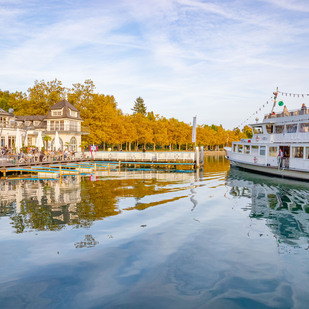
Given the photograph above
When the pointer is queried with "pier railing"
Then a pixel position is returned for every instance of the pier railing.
(149, 156)
(17, 159)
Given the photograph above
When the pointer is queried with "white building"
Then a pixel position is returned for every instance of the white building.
(63, 118)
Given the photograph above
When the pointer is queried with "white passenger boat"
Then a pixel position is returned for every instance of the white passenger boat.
(285, 130)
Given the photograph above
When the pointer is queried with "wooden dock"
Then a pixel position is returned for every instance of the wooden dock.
(83, 167)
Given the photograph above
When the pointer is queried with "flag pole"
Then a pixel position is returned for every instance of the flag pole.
(275, 100)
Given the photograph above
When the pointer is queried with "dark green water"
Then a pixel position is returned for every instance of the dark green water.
(214, 239)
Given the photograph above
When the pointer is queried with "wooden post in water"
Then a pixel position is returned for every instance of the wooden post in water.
(119, 167)
(197, 157)
(95, 167)
(79, 169)
(108, 169)
(60, 170)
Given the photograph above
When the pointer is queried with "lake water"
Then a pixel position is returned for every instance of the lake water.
(218, 238)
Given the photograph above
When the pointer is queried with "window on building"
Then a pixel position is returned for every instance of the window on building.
(234, 147)
(254, 150)
(298, 152)
(2, 141)
(27, 123)
(279, 129)
(240, 148)
(262, 150)
(304, 127)
(247, 149)
(73, 113)
(11, 141)
(273, 151)
(291, 128)
(36, 123)
(57, 112)
(73, 144)
(57, 125)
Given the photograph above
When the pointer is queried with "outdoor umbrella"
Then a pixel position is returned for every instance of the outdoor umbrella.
(18, 141)
(57, 142)
(39, 141)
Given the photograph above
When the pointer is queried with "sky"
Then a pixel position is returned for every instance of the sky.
(219, 59)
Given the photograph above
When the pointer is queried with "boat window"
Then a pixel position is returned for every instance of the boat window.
(269, 128)
(307, 153)
(298, 152)
(262, 151)
(247, 149)
(258, 130)
(234, 147)
(273, 151)
(254, 150)
(304, 127)
(240, 148)
(279, 129)
(291, 128)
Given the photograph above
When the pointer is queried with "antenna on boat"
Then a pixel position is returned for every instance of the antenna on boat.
(275, 100)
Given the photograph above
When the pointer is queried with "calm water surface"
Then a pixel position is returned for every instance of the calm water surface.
(218, 238)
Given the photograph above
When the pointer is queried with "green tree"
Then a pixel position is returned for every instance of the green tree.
(139, 107)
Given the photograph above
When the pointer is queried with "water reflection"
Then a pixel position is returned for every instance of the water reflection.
(283, 204)
(36, 204)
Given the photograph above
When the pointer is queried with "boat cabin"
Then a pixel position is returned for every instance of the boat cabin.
(287, 131)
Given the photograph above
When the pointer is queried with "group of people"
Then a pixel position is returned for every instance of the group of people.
(33, 154)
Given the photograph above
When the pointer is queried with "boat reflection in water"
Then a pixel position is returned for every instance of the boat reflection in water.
(283, 204)
(37, 204)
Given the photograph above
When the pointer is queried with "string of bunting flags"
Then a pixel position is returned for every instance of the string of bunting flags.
(294, 94)
(257, 111)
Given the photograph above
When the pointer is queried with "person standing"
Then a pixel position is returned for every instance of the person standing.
(280, 157)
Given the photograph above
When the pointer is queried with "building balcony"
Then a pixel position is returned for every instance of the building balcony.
(66, 129)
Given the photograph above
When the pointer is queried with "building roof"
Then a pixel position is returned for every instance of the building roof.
(64, 103)
(31, 118)
(66, 107)
(3, 112)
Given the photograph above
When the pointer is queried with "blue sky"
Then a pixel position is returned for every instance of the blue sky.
(220, 60)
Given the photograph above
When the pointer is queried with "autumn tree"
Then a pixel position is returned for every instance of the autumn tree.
(42, 96)
(247, 131)
(81, 94)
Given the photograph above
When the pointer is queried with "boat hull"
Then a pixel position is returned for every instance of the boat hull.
(284, 173)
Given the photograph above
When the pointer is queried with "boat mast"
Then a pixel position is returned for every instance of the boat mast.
(275, 100)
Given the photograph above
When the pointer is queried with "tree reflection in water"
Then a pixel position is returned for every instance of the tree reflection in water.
(51, 205)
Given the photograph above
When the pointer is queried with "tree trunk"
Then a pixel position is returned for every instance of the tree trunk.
(154, 146)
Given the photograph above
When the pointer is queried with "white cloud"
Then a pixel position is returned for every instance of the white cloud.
(184, 57)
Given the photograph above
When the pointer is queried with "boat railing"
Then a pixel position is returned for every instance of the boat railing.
(286, 113)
